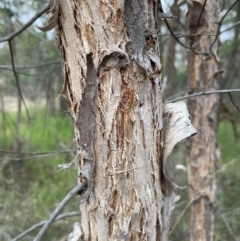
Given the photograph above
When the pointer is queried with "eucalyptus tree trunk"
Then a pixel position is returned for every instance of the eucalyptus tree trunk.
(202, 149)
(110, 58)
(112, 75)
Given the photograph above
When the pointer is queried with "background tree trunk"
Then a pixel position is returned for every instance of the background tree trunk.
(170, 68)
(202, 150)
(112, 75)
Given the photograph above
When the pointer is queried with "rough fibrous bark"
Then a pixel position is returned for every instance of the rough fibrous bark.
(202, 155)
(112, 76)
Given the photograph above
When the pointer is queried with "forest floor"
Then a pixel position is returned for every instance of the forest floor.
(10, 103)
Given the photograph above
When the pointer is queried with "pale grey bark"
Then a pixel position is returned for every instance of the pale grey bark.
(113, 83)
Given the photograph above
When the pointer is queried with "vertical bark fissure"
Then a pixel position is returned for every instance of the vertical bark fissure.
(85, 125)
(202, 149)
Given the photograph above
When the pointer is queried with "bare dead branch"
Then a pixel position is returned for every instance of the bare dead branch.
(199, 19)
(198, 196)
(183, 35)
(49, 73)
(38, 225)
(180, 217)
(202, 93)
(177, 36)
(192, 35)
(9, 67)
(45, 40)
(219, 26)
(181, 43)
(58, 209)
(19, 24)
(231, 27)
(32, 156)
(231, 98)
(25, 26)
(17, 79)
(174, 36)
(183, 92)
(227, 226)
(35, 153)
(4, 124)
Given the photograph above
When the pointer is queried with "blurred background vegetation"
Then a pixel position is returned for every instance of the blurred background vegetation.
(31, 184)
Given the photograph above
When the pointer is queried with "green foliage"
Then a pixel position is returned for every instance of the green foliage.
(31, 188)
(229, 146)
(228, 182)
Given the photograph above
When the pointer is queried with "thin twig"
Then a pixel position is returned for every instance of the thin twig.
(19, 24)
(33, 156)
(199, 19)
(229, 28)
(34, 153)
(203, 93)
(183, 92)
(58, 209)
(9, 67)
(17, 79)
(176, 38)
(196, 34)
(228, 226)
(33, 75)
(183, 35)
(198, 195)
(219, 26)
(231, 98)
(182, 213)
(38, 225)
(181, 43)
(4, 124)
(25, 26)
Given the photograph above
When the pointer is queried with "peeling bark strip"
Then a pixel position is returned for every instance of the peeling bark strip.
(54, 19)
(178, 127)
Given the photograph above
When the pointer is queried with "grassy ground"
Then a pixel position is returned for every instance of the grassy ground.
(228, 183)
(31, 188)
